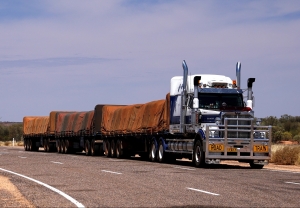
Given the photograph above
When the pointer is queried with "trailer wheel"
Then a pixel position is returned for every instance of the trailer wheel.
(87, 147)
(198, 154)
(153, 151)
(67, 146)
(58, 146)
(255, 166)
(93, 148)
(161, 152)
(25, 144)
(45, 145)
(107, 148)
(119, 151)
(30, 144)
(62, 146)
(113, 148)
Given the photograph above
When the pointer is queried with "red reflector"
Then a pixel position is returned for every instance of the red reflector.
(246, 109)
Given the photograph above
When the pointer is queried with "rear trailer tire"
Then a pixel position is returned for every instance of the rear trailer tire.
(30, 145)
(153, 151)
(58, 147)
(107, 148)
(94, 149)
(255, 166)
(113, 148)
(62, 147)
(67, 146)
(119, 151)
(87, 148)
(25, 144)
(161, 153)
(198, 155)
(45, 145)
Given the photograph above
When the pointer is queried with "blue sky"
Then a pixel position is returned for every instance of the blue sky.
(72, 55)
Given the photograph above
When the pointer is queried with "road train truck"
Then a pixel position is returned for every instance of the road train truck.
(206, 119)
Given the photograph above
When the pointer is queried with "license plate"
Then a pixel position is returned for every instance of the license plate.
(231, 149)
(216, 148)
(260, 148)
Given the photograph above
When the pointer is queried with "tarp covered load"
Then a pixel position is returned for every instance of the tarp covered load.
(35, 125)
(52, 127)
(73, 123)
(146, 118)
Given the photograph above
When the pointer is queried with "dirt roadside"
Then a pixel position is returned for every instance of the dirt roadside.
(10, 196)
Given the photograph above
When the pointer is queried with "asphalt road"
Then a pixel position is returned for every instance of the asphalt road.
(109, 182)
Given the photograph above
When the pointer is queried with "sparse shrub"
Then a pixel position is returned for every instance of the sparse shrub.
(287, 136)
(7, 143)
(297, 138)
(288, 155)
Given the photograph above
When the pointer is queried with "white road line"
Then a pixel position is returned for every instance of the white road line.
(293, 183)
(56, 162)
(203, 191)
(184, 168)
(22, 157)
(110, 172)
(78, 204)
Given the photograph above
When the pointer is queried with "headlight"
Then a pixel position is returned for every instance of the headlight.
(258, 121)
(216, 134)
(262, 135)
(218, 120)
(257, 135)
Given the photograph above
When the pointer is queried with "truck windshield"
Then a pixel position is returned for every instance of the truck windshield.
(216, 101)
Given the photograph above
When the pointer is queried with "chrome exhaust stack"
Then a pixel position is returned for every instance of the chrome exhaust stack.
(238, 75)
(195, 100)
(183, 98)
(250, 96)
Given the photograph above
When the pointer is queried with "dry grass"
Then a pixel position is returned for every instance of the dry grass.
(9, 143)
(285, 154)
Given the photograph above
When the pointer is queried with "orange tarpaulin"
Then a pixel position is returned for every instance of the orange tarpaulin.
(147, 118)
(35, 125)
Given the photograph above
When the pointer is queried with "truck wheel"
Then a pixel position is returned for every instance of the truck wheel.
(113, 148)
(87, 148)
(67, 146)
(161, 152)
(58, 146)
(45, 145)
(119, 151)
(25, 144)
(198, 155)
(62, 146)
(30, 145)
(93, 148)
(255, 166)
(107, 148)
(153, 151)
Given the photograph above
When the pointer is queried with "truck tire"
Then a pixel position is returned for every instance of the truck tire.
(153, 151)
(62, 146)
(58, 146)
(198, 156)
(87, 147)
(113, 148)
(161, 152)
(107, 148)
(119, 151)
(45, 145)
(255, 166)
(94, 148)
(30, 145)
(25, 144)
(67, 146)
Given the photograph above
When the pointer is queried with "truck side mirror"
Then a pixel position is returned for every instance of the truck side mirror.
(195, 103)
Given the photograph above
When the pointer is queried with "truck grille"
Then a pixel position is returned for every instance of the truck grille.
(238, 123)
